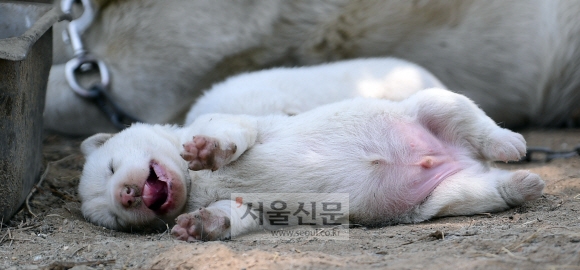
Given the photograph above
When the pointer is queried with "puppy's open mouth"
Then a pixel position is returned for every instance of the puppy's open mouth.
(156, 190)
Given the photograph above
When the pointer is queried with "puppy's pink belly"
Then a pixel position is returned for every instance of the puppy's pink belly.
(433, 170)
(428, 161)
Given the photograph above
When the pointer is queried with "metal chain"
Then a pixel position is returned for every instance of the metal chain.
(545, 154)
(83, 63)
(111, 109)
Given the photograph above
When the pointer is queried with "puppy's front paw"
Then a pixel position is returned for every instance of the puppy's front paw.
(201, 225)
(504, 145)
(205, 152)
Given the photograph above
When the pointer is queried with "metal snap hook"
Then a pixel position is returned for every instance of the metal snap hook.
(84, 64)
(78, 26)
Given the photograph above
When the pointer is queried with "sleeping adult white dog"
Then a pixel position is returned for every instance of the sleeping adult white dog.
(426, 156)
(291, 91)
(519, 60)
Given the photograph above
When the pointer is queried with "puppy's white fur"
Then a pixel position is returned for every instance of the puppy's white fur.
(292, 91)
(518, 59)
(426, 156)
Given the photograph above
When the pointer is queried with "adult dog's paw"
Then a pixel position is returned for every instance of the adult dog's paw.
(202, 225)
(205, 152)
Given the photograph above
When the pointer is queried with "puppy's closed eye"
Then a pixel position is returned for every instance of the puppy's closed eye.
(111, 167)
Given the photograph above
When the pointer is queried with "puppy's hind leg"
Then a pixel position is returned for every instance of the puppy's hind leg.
(471, 192)
(457, 120)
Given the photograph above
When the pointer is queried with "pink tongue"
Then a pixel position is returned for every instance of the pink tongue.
(154, 191)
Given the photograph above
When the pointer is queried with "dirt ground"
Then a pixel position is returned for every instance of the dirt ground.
(544, 234)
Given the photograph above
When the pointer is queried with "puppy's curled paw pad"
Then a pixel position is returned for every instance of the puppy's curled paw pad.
(205, 152)
(201, 225)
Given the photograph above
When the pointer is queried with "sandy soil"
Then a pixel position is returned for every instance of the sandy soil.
(544, 234)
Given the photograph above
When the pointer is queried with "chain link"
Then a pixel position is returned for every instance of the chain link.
(545, 154)
(111, 109)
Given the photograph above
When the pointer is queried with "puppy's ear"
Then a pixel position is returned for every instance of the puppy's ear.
(92, 143)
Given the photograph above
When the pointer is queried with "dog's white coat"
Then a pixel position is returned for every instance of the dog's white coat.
(519, 59)
(425, 156)
(291, 91)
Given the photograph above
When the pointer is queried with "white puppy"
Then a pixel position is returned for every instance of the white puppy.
(292, 91)
(408, 161)
(518, 59)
